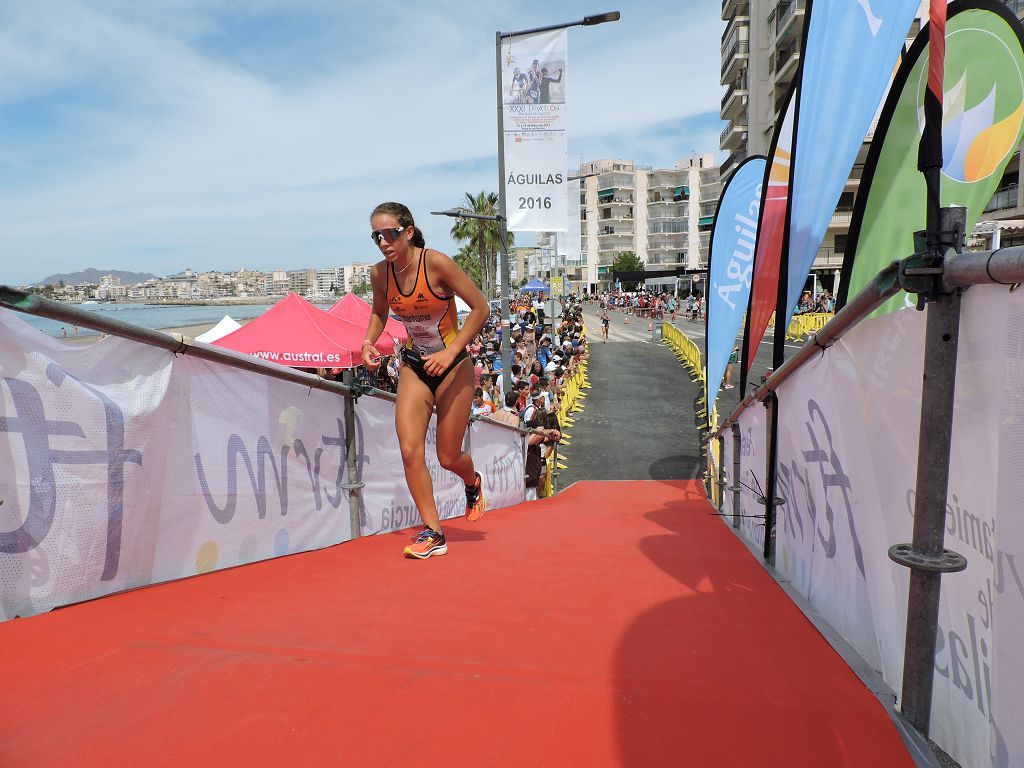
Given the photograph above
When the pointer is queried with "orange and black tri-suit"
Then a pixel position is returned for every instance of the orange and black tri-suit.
(430, 319)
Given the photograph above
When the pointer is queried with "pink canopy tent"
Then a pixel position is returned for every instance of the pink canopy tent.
(355, 310)
(295, 333)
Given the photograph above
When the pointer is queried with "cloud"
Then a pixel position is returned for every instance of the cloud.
(227, 134)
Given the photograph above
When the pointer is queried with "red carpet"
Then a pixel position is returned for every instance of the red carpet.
(617, 624)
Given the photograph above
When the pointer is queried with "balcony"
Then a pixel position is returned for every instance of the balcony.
(740, 20)
(657, 212)
(786, 65)
(731, 163)
(828, 258)
(734, 60)
(840, 220)
(1004, 198)
(616, 180)
(734, 136)
(708, 208)
(735, 98)
(665, 180)
(666, 229)
(732, 8)
(789, 20)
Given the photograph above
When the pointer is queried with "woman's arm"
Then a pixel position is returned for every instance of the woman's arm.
(450, 277)
(370, 356)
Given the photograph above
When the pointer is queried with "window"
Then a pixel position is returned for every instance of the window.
(845, 201)
(840, 243)
(606, 213)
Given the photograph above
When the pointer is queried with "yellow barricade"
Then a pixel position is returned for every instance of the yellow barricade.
(689, 355)
(802, 326)
(571, 401)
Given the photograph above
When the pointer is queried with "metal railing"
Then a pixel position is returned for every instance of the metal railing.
(177, 344)
(937, 274)
(737, 48)
(738, 85)
(786, 12)
(1005, 197)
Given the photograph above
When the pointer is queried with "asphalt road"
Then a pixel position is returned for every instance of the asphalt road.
(638, 421)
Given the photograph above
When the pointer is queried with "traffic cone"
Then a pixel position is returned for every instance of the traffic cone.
(650, 326)
(625, 319)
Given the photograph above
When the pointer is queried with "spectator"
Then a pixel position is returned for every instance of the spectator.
(509, 413)
(539, 443)
(481, 407)
(733, 359)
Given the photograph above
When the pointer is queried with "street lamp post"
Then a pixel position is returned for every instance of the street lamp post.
(506, 285)
(506, 349)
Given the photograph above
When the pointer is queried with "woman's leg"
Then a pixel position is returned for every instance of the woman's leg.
(412, 415)
(453, 400)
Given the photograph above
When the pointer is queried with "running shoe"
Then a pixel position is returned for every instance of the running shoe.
(475, 500)
(428, 543)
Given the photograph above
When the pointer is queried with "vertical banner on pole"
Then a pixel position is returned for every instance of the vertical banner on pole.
(533, 83)
(849, 53)
(730, 265)
(770, 230)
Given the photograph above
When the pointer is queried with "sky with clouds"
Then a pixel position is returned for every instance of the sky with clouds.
(220, 134)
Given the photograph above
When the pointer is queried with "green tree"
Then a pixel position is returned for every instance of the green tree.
(482, 239)
(627, 261)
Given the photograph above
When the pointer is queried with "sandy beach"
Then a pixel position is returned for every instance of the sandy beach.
(186, 330)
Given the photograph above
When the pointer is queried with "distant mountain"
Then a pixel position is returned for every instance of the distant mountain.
(94, 275)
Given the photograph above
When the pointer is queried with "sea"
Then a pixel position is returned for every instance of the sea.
(148, 316)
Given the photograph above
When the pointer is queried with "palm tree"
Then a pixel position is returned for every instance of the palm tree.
(481, 237)
(469, 262)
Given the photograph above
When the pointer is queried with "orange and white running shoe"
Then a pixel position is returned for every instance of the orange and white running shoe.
(427, 544)
(475, 500)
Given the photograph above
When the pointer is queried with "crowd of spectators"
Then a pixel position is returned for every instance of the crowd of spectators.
(808, 304)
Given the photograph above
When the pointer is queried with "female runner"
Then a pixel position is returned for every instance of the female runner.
(419, 285)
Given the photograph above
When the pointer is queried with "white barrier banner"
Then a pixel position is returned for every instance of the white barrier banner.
(500, 459)
(533, 85)
(727, 467)
(848, 441)
(753, 450)
(387, 503)
(255, 468)
(123, 465)
(818, 540)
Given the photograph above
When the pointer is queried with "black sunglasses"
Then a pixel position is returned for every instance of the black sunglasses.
(390, 234)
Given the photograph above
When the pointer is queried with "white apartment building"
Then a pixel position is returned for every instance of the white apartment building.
(662, 215)
(357, 276)
(328, 282)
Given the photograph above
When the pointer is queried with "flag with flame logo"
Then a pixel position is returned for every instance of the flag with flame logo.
(983, 117)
